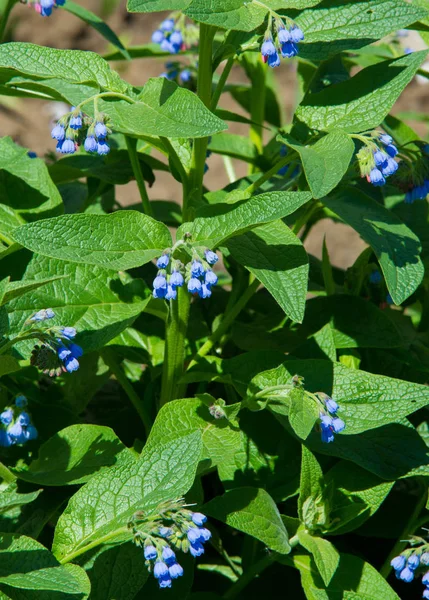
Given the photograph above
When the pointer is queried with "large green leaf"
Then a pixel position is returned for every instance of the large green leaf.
(156, 5)
(25, 184)
(334, 25)
(163, 109)
(10, 498)
(76, 66)
(254, 512)
(397, 248)
(215, 224)
(324, 553)
(362, 102)
(15, 289)
(74, 454)
(325, 162)
(312, 508)
(98, 302)
(277, 258)
(108, 501)
(121, 240)
(29, 567)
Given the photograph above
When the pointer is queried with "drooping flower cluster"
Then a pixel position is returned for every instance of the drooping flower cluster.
(330, 423)
(171, 526)
(174, 34)
(45, 7)
(378, 162)
(57, 353)
(16, 426)
(413, 562)
(197, 274)
(280, 39)
(76, 128)
(174, 71)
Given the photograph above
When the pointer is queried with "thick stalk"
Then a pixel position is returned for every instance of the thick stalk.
(221, 83)
(226, 322)
(174, 354)
(257, 108)
(138, 174)
(5, 17)
(126, 385)
(204, 91)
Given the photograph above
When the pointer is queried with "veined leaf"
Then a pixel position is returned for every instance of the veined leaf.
(324, 553)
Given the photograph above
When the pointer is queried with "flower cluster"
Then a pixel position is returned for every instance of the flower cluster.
(378, 162)
(197, 275)
(280, 38)
(58, 353)
(417, 192)
(75, 128)
(15, 424)
(330, 423)
(45, 7)
(411, 562)
(174, 35)
(174, 71)
(173, 526)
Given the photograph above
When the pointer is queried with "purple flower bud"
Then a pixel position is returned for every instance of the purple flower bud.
(331, 406)
(385, 139)
(326, 420)
(198, 518)
(210, 278)
(159, 293)
(165, 532)
(176, 39)
(165, 581)
(211, 257)
(16, 433)
(274, 60)
(90, 144)
(163, 261)
(150, 552)
(424, 559)
(426, 593)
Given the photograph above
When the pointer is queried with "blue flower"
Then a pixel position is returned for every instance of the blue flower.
(6, 416)
(71, 364)
(380, 158)
(5, 439)
(425, 578)
(338, 425)
(21, 401)
(194, 535)
(16, 433)
(376, 177)
(398, 563)
(76, 121)
(327, 433)
(58, 132)
(205, 291)
(196, 549)
(175, 571)
(100, 129)
(160, 569)
(426, 593)
(159, 293)
(176, 279)
(205, 534)
(167, 25)
(46, 7)
(102, 147)
(268, 48)
(176, 39)
(165, 532)
(424, 558)
(284, 35)
(197, 269)
(68, 332)
(413, 561)
(165, 581)
(90, 144)
(331, 405)
(385, 139)
(160, 282)
(24, 419)
(211, 257)
(274, 60)
(185, 75)
(390, 167)
(42, 315)
(30, 433)
(168, 556)
(171, 293)
(391, 150)
(210, 278)
(296, 34)
(67, 146)
(63, 352)
(198, 518)
(163, 261)
(406, 575)
(150, 552)
(289, 50)
(157, 36)
(76, 350)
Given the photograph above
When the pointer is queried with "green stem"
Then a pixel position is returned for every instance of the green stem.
(305, 217)
(138, 174)
(5, 17)
(412, 525)
(266, 176)
(257, 108)
(20, 338)
(6, 475)
(204, 91)
(221, 83)
(174, 354)
(226, 322)
(110, 360)
(106, 538)
(175, 160)
(229, 168)
(106, 95)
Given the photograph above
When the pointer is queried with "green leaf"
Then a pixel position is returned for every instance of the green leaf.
(76, 66)
(397, 248)
(15, 289)
(324, 553)
(325, 162)
(277, 258)
(353, 580)
(334, 25)
(8, 364)
(121, 240)
(99, 303)
(25, 184)
(10, 498)
(235, 146)
(302, 413)
(312, 508)
(362, 102)
(163, 109)
(28, 566)
(98, 24)
(254, 512)
(156, 5)
(163, 472)
(74, 454)
(215, 224)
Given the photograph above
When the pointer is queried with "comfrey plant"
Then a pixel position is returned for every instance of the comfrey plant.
(220, 398)
(44, 7)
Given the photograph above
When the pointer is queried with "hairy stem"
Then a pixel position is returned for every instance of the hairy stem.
(110, 360)
(257, 108)
(138, 174)
(106, 538)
